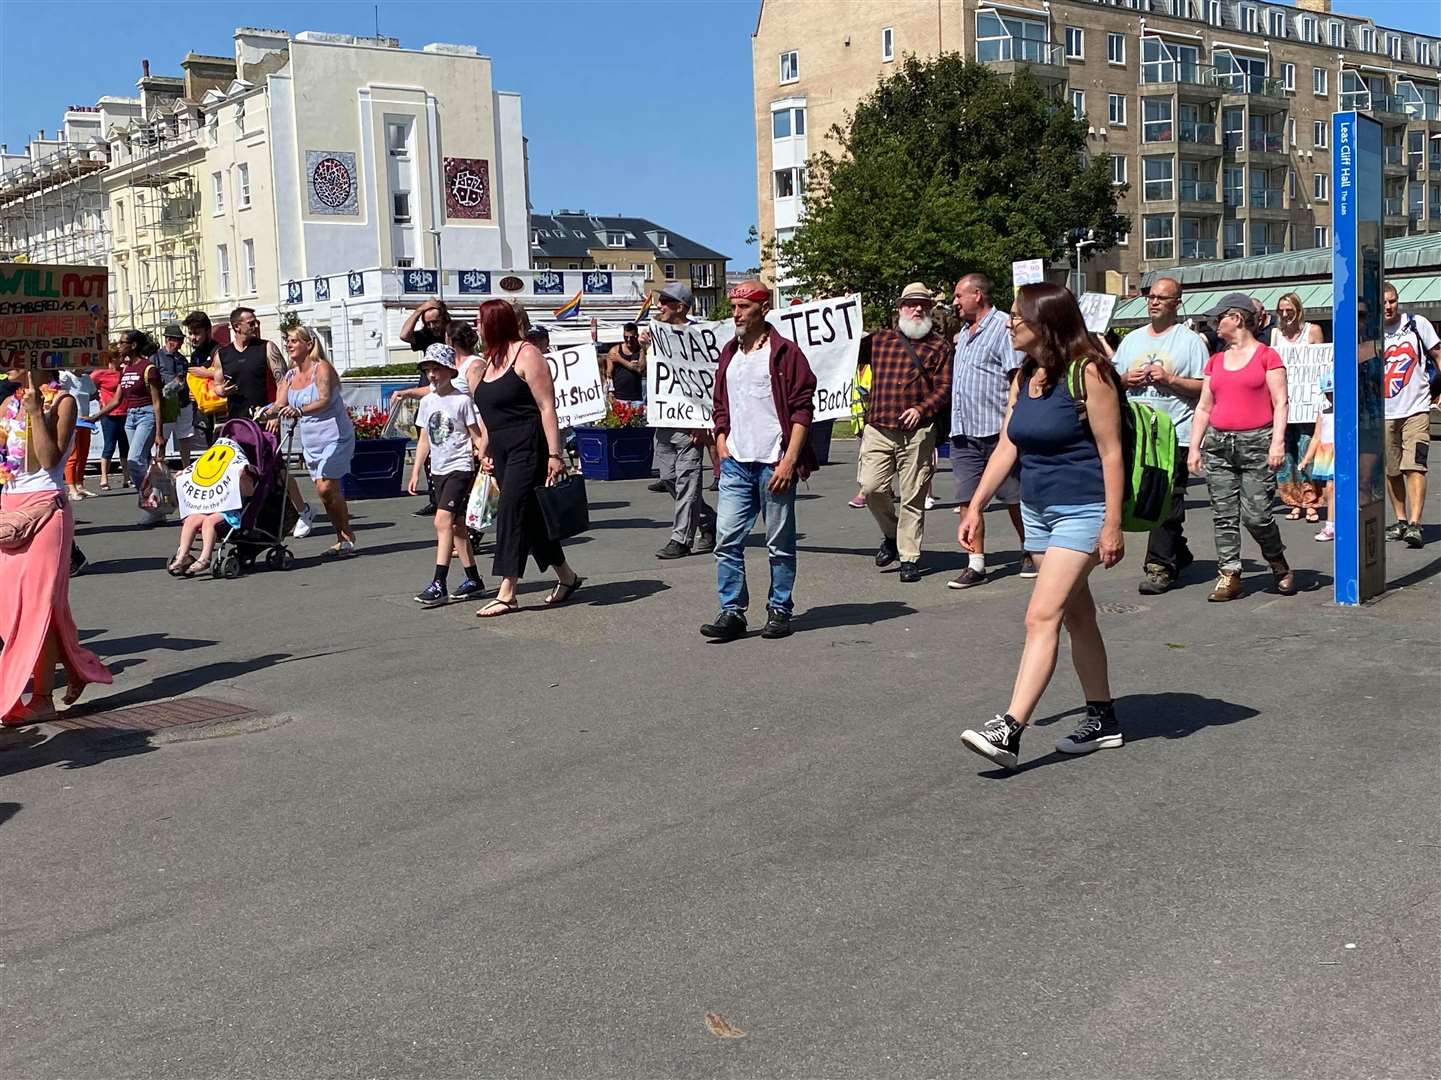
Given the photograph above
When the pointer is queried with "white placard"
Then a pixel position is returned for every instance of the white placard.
(579, 389)
(1028, 272)
(681, 362)
(1097, 308)
(212, 484)
(1305, 364)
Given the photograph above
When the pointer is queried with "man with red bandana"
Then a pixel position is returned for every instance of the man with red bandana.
(763, 408)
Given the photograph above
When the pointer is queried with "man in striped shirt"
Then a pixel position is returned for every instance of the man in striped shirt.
(980, 387)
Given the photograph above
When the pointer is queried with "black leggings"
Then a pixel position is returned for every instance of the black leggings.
(520, 459)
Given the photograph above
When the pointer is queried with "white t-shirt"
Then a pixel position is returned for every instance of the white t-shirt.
(446, 419)
(755, 434)
(1180, 351)
(462, 377)
(1404, 379)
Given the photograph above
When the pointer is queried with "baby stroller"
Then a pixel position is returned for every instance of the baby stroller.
(266, 516)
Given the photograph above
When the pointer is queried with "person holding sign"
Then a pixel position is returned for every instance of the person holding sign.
(37, 427)
(624, 366)
(1298, 489)
(764, 391)
(910, 386)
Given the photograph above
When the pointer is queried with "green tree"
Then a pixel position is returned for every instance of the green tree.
(947, 167)
(722, 310)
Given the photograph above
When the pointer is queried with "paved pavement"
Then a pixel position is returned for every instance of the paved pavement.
(550, 844)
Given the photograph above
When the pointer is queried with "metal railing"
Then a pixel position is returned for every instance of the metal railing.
(1235, 197)
(1394, 207)
(1193, 132)
(1159, 191)
(1026, 50)
(1434, 163)
(1232, 140)
(1198, 249)
(1269, 199)
(1233, 251)
(1393, 155)
(1366, 101)
(1203, 191)
(1423, 110)
(1267, 249)
(1239, 82)
(1267, 142)
(1160, 249)
(1177, 71)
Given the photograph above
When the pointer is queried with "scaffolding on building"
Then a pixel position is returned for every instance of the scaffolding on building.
(52, 210)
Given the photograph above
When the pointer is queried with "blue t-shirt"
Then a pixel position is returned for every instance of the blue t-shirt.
(1180, 352)
(1060, 465)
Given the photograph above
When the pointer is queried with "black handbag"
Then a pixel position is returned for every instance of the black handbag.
(564, 507)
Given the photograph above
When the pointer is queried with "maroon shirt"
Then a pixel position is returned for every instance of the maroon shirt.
(136, 378)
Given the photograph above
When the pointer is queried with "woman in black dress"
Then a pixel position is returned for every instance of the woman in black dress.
(516, 399)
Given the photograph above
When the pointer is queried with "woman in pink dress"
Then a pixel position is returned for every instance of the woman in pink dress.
(37, 429)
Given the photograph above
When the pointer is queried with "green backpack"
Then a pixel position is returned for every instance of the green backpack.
(1148, 455)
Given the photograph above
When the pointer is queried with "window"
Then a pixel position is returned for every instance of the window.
(1308, 28)
(640, 267)
(397, 138)
(212, 128)
(124, 279)
(1075, 43)
(669, 271)
(1321, 236)
(1078, 103)
(790, 66)
(222, 269)
(404, 262)
(702, 275)
(1291, 132)
(662, 240)
(1423, 53)
(400, 207)
(1291, 185)
(1320, 133)
(1275, 23)
(1156, 120)
(1248, 19)
(1320, 82)
(888, 44)
(1393, 46)
(1116, 109)
(1336, 34)
(1233, 240)
(800, 121)
(1235, 185)
(1116, 49)
(119, 217)
(787, 122)
(785, 183)
(247, 249)
(1159, 176)
(1213, 12)
(1368, 39)
(614, 239)
(242, 185)
(217, 191)
(1160, 233)
(1288, 77)
(1006, 37)
(1321, 186)
(240, 118)
(1118, 169)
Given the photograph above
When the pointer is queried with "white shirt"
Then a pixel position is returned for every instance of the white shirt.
(1404, 379)
(755, 434)
(28, 481)
(446, 419)
(462, 377)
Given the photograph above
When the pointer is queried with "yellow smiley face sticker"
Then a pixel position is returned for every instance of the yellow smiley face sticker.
(212, 464)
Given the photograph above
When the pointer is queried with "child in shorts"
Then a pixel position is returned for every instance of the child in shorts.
(450, 437)
(1321, 455)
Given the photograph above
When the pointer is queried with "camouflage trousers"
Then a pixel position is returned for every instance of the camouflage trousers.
(1242, 488)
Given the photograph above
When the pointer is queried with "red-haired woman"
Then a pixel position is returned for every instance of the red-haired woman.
(1071, 492)
(521, 447)
(37, 431)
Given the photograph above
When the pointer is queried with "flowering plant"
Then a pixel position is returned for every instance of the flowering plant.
(369, 422)
(620, 414)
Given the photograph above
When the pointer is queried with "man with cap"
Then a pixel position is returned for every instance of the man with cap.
(174, 389)
(680, 457)
(762, 412)
(910, 385)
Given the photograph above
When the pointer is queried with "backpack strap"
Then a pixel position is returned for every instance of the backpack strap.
(1076, 384)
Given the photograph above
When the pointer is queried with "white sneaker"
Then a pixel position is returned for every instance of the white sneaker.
(930, 503)
(303, 523)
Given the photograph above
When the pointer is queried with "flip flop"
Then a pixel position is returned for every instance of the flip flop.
(196, 568)
(73, 692)
(506, 608)
(1295, 514)
(563, 591)
(1312, 517)
(179, 566)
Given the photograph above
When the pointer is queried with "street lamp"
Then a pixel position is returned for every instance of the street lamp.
(1082, 243)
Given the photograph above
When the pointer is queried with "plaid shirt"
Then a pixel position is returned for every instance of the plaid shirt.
(896, 385)
(983, 368)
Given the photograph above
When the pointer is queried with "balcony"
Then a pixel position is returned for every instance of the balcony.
(1191, 82)
(1197, 250)
(1260, 95)
(1190, 138)
(1200, 195)
(1393, 161)
(1263, 148)
(1387, 108)
(1267, 205)
(1046, 60)
(1267, 249)
(1394, 209)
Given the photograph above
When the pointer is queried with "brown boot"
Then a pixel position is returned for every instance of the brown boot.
(1228, 587)
(1285, 578)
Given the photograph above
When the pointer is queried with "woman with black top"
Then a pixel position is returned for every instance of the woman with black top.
(521, 448)
(1072, 486)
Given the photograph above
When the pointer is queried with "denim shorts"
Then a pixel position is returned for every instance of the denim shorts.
(1077, 527)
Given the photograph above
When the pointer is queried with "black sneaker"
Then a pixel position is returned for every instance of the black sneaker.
(434, 595)
(887, 553)
(78, 562)
(1100, 730)
(728, 626)
(1413, 536)
(999, 740)
(704, 544)
(468, 589)
(1155, 582)
(910, 571)
(673, 550)
(1396, 531)
(428, 510)
(656, 485)
(778, 624)
(967, 578)
(1029, 569)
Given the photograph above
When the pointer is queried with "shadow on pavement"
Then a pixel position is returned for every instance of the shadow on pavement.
(183, 682)
(1420, 574)
(8, 810)
(75, 750)
(124, 566)
(834, 615)
(144, 643)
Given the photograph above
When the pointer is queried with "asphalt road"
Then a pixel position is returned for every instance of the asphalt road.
(548, 845)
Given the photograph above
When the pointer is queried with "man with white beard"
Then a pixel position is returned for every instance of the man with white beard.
(910, 386)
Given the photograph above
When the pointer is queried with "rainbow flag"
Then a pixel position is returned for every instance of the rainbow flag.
(644, 312)
(570, 309)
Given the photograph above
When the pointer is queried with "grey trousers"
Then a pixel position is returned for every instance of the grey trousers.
(682, 468)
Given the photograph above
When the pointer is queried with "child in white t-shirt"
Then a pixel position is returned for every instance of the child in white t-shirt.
(1321, 455)
(450, 437)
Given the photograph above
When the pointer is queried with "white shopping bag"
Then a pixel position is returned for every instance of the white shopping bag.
(484, 499)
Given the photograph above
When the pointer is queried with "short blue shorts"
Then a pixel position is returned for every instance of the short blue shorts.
(1075, 527)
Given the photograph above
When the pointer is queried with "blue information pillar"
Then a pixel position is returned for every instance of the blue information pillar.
(1358, 271)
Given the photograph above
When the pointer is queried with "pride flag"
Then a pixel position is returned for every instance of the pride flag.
(644, 312)
(570, 309)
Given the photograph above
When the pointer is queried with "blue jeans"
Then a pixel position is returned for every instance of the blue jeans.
(140, 430)
(743, 498)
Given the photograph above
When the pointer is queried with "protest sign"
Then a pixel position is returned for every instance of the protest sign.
(52, 316)
(212, 484)
(1305, 364)
(1096, 308)
(579, 390)
(1028, 272)
(681, 363)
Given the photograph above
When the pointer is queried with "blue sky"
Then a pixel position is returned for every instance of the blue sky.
(631, 106)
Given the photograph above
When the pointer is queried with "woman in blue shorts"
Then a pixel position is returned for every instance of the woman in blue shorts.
(1071, 492)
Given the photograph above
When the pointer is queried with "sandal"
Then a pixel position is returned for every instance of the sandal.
(22, 715)
(73, 692)
(345, 549)
(196, 568)
(1295, 514)
(1312, 517)
(503, 607)
(180, 564)
(563, 591)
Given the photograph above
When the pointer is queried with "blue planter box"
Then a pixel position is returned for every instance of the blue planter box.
(615, 453)
(377, 469)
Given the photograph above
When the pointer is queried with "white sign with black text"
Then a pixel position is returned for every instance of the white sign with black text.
(1305, 364)
(579, 389)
